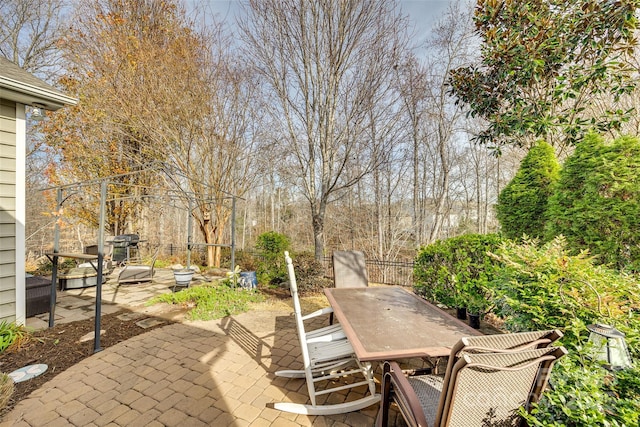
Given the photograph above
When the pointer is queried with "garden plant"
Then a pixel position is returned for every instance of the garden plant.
(522, 204)
(455, 272)
(271, 268)
(596, 204)
(12, 334)
(537, 286)
(211, 301)
(545, 287)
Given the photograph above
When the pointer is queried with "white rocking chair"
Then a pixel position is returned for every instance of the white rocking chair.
(327, 356)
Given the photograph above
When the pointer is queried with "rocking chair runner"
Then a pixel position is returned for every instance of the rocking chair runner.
(327, 357)
(480, 387)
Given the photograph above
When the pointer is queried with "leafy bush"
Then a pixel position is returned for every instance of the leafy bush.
(545, 287)
(12, 334)
(596, 205)
(455, 272)
(582, 395)
(210, 302)
(44, 266)
(309, 273)
(523, 201)
(246, 260)
(232, 278)
(433, 276)
(271, 246)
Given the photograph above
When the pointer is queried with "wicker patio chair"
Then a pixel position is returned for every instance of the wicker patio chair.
(479, 389)
(349, 271)
(503, 343)
(327, 356)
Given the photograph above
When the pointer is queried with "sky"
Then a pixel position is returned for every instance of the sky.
(423, 13)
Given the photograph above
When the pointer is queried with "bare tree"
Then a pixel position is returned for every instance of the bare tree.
(412, 83)
(327, 64)
(219, 146)
(433, 119)
(29, 33)
(156, 88)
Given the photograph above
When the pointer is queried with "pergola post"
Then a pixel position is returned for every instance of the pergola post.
(56, 249)
(103, 202)
(233, 234)
(189, 236)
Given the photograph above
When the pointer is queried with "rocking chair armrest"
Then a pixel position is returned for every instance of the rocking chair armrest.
(336, 336)
(395, 384)
(317, 313)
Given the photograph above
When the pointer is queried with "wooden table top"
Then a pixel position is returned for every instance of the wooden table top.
(390, 323)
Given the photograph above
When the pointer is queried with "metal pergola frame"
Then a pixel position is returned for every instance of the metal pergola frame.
(104, 183)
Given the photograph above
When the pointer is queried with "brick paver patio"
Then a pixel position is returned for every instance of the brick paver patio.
(217, 373)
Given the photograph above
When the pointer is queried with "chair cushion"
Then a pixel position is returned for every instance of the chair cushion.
(428, 388)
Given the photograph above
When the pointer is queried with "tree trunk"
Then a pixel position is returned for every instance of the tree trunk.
(318, 235)
(444, 186)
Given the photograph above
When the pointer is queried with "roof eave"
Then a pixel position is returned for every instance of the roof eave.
(29, 94)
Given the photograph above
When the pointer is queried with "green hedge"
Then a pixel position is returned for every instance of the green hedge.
(596, 204)
(522, 203)
(533, 287)
(455, 272)
(546, 287)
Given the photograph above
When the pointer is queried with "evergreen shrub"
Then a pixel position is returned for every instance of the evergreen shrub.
(523, 201)
(455, 272)
(596, 204)
(271, 268)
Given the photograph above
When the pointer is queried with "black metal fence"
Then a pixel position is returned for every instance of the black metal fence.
(380, 271)
(387, 272)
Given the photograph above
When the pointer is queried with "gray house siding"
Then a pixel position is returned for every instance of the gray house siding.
(7, 210)
(18, 90)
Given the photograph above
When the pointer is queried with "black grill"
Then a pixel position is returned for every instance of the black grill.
(125, 246)
(125, 240)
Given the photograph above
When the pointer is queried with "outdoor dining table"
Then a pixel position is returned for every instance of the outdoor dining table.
(391, 323)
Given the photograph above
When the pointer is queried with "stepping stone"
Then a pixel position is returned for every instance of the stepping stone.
(76, 303)
(130, 316)
(90, 336)
(149, 322)
(109, 309)
(28, 372)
